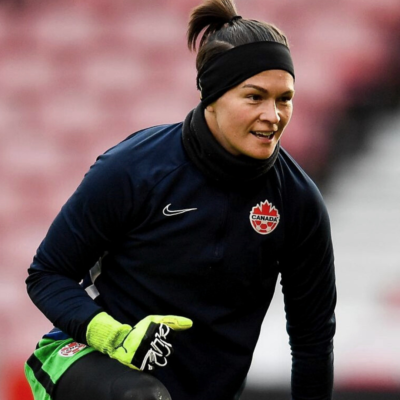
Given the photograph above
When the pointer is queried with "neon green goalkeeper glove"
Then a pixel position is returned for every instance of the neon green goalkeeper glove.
(143, 347)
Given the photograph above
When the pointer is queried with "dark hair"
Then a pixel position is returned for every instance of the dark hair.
(222, 31)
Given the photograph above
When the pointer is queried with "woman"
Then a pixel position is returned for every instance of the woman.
(188, 226)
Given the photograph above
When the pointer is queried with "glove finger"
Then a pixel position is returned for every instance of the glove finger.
(177, 323)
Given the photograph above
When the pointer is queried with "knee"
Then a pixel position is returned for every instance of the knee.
(146, 387)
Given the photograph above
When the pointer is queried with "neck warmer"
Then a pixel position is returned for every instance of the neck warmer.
(216, 162)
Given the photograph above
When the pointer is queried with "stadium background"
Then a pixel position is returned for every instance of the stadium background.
(78, 76)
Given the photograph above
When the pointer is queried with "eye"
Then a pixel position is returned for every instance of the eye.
(286, 99)
(254, 97)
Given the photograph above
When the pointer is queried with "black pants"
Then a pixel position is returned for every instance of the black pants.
(96, 376)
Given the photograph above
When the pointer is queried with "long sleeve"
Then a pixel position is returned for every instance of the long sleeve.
(308, 285)
(83, 230)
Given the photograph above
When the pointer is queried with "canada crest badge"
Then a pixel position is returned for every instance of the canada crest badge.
(264, 218)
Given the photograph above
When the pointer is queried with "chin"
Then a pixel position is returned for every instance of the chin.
(261, 155)
(258, 156)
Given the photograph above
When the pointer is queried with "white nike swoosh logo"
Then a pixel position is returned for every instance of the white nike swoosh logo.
(169, 213)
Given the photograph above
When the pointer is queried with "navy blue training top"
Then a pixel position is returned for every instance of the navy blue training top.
(217, 262)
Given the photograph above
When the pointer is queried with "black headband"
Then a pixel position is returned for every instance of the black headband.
(234, 66)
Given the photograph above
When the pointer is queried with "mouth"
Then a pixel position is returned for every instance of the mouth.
(263, 135)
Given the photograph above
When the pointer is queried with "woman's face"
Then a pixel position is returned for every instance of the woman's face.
(250, 118)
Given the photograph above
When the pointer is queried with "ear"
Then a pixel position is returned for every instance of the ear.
(210, 108)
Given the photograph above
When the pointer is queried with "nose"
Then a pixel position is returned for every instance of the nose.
(270, 113)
